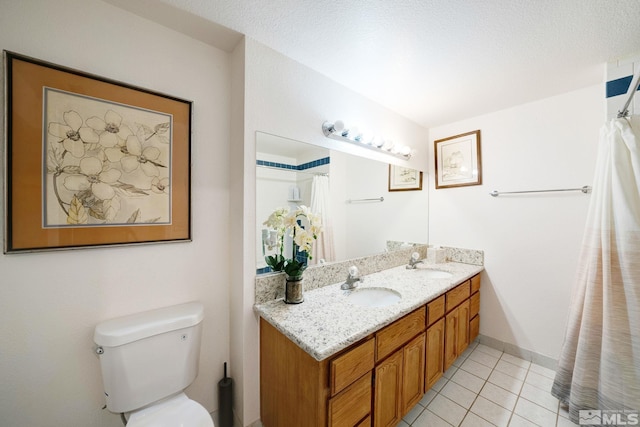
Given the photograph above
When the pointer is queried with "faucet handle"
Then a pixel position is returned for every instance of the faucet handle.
(353, 271)
(415, 256)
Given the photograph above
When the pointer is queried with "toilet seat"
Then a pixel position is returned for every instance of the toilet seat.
(177, 411)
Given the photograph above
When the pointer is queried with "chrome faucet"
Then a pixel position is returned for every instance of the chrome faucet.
(352, 278)
(414, 261)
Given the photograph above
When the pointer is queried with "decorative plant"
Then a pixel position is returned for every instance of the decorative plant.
(284, 221)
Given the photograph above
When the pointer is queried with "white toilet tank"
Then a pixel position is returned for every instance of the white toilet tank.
(149, 356)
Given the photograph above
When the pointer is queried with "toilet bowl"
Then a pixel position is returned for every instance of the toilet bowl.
(177, 411)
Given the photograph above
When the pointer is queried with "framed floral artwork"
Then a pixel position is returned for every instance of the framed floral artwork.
(458, 160)
(90, 161)
(404, 179)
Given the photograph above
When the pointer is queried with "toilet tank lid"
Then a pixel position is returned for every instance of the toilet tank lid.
(123, 330)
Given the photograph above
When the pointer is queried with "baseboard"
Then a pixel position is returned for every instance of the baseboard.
(514, 350)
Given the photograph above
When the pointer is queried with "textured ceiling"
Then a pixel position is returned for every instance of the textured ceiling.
(438, 61)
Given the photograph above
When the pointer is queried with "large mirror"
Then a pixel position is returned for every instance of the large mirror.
(362, 217)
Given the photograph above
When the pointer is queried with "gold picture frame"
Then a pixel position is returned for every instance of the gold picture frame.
(404, 179)
(90, 161)
(458, 160)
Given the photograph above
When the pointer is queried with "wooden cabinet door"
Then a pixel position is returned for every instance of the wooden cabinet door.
(388, 386)
(413, 373)
(365, 423)
(434, 354)
(474, 328)
(450, 338)
(463, 328)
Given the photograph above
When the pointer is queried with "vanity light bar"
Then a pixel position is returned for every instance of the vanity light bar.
(338, 132)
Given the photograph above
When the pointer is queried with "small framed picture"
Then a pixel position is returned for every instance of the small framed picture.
(91, 161)
(458, 161)
(404, 179)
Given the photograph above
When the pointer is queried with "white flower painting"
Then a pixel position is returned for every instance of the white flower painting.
(104, 163)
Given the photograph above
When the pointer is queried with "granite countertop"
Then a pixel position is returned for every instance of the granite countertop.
(326, 322)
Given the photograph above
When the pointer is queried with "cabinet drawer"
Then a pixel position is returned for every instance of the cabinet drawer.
(435, 310)
(399, 332)
(475, 304)
(351, 365)
(458, 294)
(352, 405)
(475, 283)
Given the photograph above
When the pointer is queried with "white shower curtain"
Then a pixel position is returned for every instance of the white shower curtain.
(323, 248)
(599, 365)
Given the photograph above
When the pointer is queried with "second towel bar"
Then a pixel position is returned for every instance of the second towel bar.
(377, 199)
(586, 189)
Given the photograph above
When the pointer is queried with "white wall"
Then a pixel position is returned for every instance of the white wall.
(531, 242)
(51, 302)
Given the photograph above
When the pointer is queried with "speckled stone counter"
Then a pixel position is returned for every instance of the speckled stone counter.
(326, 322)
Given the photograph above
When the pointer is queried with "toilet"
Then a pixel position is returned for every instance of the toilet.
(147, 360)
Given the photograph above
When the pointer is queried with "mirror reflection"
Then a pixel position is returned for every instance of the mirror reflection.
(360, 215)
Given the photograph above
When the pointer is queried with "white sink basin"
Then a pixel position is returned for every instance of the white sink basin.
(374, 297)
(434, 274)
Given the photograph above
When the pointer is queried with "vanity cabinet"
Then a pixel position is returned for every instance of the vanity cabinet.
(374, 382)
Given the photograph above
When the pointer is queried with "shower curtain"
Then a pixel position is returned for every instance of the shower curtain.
(323, 248)
(599, 365)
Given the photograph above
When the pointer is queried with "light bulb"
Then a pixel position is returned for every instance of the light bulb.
(354, 134)
(367, 138)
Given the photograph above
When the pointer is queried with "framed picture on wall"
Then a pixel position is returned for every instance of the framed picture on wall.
(91, 161)
(404, 179)
(458, 161)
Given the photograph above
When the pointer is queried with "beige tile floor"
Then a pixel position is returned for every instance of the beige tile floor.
(486, 387)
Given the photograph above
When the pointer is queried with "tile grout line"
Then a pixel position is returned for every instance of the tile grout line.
(493, 369)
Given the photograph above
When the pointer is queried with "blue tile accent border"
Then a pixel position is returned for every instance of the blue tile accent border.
(263, 270)
(308, 165)
(314, 164)
(618, 86)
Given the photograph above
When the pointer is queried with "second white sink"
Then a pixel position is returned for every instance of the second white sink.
(374, 297)
(433, 274)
